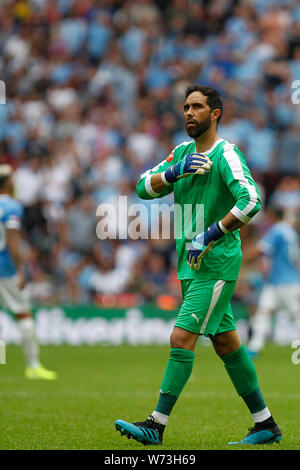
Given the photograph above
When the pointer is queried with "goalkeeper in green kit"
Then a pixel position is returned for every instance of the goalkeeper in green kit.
(207, 170)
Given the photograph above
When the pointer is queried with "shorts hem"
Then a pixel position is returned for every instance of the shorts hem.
(188, 329)
(223, 331)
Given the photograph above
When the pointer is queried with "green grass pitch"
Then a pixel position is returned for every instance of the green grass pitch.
(99, 384)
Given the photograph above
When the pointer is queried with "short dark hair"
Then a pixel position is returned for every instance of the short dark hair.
(213, 100)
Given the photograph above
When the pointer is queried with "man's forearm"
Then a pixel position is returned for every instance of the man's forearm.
(205, 241)
(17, 259)
(13, 246)
(230, 223)
(158, 183)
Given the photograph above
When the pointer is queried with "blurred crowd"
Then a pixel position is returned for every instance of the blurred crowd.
(94, 97)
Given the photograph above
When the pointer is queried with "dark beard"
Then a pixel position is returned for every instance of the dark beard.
(198, 129)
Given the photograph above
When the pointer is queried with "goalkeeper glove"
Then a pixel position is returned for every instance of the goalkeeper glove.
(194, 163)
(202, 244)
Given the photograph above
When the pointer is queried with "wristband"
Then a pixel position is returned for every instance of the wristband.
(163, 178)
(222, 227)
(170, 175)
(213, 233)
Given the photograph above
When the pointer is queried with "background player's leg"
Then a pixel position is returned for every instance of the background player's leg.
(31, 349)
(260, 326)
(16, 301)
(177, 372)
(289, 298)
(261, 320)
(29, 340)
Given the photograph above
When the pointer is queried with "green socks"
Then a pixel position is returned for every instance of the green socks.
(242, 373)
(177, 373)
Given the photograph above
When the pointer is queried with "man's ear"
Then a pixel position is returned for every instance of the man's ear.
(215, 114)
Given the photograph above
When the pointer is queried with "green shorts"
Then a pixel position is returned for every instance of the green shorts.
(206, 306)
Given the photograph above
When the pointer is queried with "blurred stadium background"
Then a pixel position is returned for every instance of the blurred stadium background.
(94, 92)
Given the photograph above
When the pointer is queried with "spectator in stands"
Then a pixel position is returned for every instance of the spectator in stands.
(94, 93)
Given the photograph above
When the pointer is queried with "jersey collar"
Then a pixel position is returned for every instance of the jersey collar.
(213, 147)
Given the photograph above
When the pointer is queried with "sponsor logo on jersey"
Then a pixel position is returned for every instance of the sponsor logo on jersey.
(170, 157)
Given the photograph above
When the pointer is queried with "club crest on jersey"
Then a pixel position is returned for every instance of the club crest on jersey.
(170, 157)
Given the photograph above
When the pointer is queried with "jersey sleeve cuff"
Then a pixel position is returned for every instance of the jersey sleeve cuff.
(240, 215)
(163, 178)
(148, 187)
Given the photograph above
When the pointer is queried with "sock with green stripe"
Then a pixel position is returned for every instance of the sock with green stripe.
(177, 373)
(242, 373)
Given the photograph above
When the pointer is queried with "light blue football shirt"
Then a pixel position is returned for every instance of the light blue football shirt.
(281, 245)
(11, 213)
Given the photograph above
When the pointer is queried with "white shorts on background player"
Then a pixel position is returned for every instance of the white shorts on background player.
(282, 296)
(12, 298)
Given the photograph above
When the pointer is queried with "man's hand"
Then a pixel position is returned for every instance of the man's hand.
(192, 164)
(202, 244)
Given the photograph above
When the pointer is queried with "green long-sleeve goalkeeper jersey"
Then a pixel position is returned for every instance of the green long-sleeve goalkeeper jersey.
(228, 186)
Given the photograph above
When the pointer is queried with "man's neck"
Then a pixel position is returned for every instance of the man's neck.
(206, 141)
